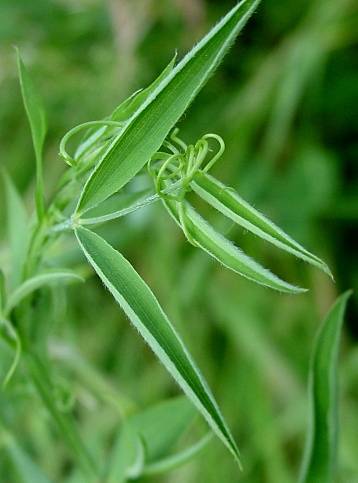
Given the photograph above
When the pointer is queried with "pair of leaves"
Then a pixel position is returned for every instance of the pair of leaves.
(230, 204)
(148, 127)
(216, 245)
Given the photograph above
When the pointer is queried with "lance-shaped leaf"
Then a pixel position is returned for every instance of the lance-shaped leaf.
(36, 282)
(17, 228)
(148, 127)
(144, 311)
(229, 203)
(321, 442)
(212, 242)
(36, 116)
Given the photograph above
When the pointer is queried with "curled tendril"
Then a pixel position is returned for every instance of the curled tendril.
(64, 154)
(180, 166)
(218, 155)
(182, 162)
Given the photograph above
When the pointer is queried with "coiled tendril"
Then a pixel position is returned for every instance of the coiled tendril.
(179, 166)
(70, 160)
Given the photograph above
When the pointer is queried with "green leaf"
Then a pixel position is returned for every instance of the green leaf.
(150, 124)
(36, 116)
(229, 203)
(216, 245)
(321, 443)
(36, 282)
(144, 311)
(17, 228)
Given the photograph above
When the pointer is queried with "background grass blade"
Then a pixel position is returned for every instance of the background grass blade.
(321, 443)
(26, 469)
(36, 116)
(63, 421)
(151, 123)
(36, 282)
(223, 250)
(17, 230)
(229, 203)
(144, 311)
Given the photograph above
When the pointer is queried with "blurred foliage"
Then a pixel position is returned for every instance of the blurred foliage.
(285, 102)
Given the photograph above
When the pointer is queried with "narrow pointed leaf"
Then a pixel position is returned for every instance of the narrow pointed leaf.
(229, 203)
(321, 442)
(144, 311)
(36, 116)
(17, 229)
(38, 281)
(150, 124)
(223, 250)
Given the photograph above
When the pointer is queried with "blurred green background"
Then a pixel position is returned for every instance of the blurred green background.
(285, 102)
